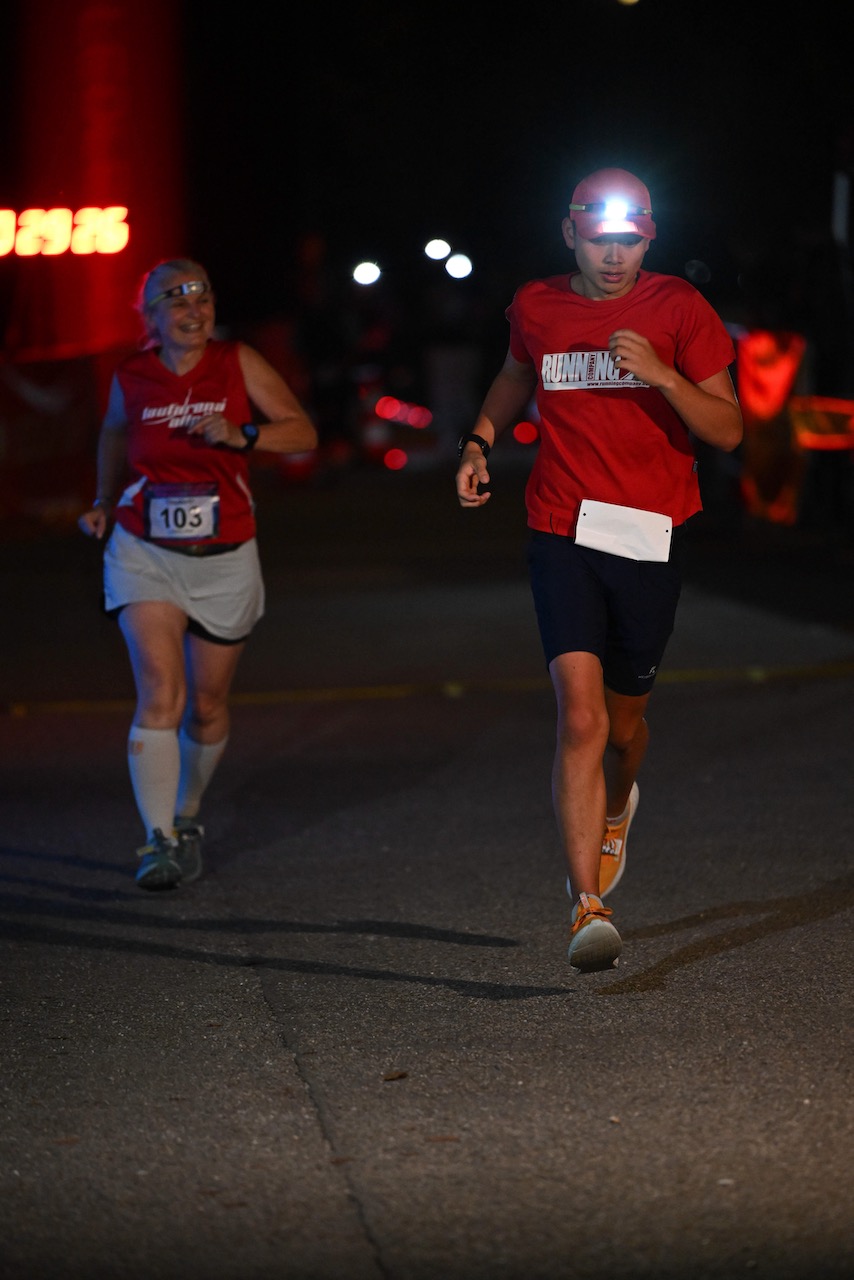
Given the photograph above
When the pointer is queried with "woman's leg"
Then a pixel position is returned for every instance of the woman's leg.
(210, 670)
(204, 732)
(154, 634)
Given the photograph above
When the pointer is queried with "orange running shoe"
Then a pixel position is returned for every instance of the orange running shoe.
(612, 864)
(595, 943)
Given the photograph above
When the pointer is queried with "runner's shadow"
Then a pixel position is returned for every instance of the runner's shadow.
(777, 916)
(45, 936)
(24, 906)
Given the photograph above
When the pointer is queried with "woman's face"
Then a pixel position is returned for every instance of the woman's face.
(185, 322)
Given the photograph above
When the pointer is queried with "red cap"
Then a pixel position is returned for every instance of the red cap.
(612, 202)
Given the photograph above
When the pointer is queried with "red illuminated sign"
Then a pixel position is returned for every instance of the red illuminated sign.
(55, 231)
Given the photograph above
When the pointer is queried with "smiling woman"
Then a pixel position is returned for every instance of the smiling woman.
(179, 315)
(181, 567)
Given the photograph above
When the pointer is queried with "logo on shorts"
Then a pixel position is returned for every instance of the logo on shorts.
(649, 675)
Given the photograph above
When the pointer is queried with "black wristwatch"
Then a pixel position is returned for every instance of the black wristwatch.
(250, 435)
(464, 440)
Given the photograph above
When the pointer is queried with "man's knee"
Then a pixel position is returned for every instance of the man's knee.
(582, 725)
(625, 730)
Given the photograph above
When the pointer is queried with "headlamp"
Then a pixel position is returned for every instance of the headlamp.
(179, 290)
(612, 210)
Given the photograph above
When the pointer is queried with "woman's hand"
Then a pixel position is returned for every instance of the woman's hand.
(216, 429)
(95, 522)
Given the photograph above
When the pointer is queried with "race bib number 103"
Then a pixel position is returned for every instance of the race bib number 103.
(181, 512)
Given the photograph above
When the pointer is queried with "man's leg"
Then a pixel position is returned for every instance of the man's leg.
(578, 780)
(595, 727)
(628, 739)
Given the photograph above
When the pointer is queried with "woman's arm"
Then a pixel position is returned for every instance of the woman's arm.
(112, 464)
(289, 428)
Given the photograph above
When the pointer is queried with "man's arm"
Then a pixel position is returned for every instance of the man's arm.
(503, 405)
(709, 408)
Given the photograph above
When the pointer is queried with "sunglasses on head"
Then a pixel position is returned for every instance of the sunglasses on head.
(179, 290)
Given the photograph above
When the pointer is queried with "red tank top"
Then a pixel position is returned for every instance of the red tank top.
(160, 405)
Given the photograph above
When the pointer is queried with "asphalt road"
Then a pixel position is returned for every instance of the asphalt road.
(354, 1049)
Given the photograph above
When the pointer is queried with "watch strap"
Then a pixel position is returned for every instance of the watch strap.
(249, 432)
(473, 439)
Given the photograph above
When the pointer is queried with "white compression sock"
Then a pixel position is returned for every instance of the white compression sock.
(198, 763)
(154, 762)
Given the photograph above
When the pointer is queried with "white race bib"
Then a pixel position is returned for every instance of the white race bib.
(623, 531)
(181, 512)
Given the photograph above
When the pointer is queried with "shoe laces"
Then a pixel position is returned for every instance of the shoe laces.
(588, 910)
(611, 846)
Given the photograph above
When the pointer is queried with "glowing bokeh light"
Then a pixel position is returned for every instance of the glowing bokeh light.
(393, 410)
(418, 417)
(366, 273)
(437, 249)
(525, 433)
(458, 266)
(395, 459)
(387, 407)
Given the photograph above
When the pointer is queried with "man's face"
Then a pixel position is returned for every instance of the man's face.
(608, 264)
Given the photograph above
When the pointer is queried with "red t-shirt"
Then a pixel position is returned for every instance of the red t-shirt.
(160, 405)
(603, 434)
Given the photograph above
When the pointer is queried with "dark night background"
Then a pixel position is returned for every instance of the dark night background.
(362, 130)
(378, 126)
(366, 129)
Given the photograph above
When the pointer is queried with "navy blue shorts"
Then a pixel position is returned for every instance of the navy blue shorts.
(621, 610)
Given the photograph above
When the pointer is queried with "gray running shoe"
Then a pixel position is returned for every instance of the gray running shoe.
(159, 867)
(189, 834)
(595, 943)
